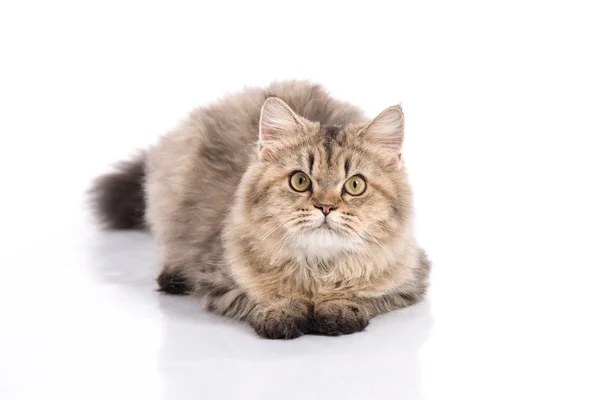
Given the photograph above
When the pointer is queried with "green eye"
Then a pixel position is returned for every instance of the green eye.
(300, 182)
(355, 186)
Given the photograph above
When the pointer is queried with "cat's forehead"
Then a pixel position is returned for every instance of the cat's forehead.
(331, 142)
(333, 154)
(328, 153)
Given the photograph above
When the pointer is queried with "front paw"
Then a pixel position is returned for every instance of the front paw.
(339, 317)
(282, 321)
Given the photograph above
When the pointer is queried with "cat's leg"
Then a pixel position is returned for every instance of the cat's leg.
(343, 316)
(188, 264)
(227, 300)
(182, 264)
(172, 280)
(218, 293)
(339, 316)
(283, 318)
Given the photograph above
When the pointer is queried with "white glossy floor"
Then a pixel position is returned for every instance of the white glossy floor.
(502, 145)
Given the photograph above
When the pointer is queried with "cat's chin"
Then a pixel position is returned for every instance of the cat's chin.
(324, 241)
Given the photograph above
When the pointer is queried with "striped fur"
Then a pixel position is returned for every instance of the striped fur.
(230, 229)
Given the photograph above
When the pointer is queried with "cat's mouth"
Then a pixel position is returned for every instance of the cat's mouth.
(326, 227)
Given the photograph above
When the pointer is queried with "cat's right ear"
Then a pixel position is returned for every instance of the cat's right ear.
(278, 123)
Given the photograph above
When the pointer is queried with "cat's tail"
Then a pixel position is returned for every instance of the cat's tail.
(118, 198)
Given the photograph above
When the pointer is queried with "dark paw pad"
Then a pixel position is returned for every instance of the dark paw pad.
(173, 283)
(333, 319)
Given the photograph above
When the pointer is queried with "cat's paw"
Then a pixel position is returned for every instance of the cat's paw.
(282, 321)
(173, 282)
(338, 317)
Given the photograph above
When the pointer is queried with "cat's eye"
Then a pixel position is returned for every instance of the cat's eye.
(355, 186)
(300, 182)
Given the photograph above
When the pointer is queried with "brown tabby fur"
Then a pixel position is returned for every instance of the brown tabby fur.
(230, 228)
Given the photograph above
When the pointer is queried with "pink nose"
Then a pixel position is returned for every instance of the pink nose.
(325, 208)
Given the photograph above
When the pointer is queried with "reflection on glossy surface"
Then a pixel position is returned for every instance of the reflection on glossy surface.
(232, 361)
(220, 358)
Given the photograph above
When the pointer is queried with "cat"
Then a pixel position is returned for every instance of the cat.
(282, 207)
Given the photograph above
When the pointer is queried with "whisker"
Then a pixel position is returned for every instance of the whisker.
(292, 219)
(262, 238)
(287, 236)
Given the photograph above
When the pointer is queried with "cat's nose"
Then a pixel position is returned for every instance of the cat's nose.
(325, 208)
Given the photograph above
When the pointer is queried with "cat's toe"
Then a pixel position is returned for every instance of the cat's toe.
(282, 318)
(335, 318)
(173, 282)
(286, 327)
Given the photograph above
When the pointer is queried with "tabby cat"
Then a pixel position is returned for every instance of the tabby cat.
(282, 207)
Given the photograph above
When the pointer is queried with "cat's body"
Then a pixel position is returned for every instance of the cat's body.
(271, 233)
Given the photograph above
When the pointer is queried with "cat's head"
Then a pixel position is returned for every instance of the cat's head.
(325, 189)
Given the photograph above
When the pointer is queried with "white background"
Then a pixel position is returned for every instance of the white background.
(502, 105)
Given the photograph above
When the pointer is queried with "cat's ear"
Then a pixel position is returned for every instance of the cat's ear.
(386, 130)
(278, 122)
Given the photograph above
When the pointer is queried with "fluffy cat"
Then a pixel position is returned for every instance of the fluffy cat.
(283, 207)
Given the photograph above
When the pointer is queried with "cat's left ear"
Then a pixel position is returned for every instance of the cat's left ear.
(386, 131)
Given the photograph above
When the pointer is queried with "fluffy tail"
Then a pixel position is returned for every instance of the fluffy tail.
(118, 198)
